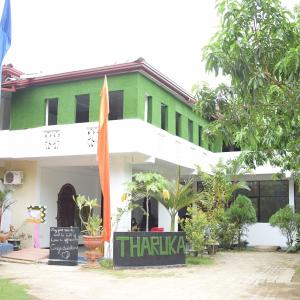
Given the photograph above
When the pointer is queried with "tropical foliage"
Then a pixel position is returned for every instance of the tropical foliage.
(257, 48)
(144, 185)
(5, 200)
(219, 187)
(177, 196)
(288, 223)
(91, 222)
(241, 214)
(195, 228)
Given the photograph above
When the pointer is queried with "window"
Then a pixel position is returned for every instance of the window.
(164, 116)
(267, 197)
(82, 108)
(148, 109)
(116, 105)
(191, 130)
(51, 111)
(200, 135)
(178, 124)
(230, 147)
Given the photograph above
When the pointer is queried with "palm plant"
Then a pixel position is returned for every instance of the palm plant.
(219, 187)
(177, 196)
(91, 223)
(5, 202)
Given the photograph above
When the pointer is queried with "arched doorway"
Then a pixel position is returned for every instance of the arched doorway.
(67, 214)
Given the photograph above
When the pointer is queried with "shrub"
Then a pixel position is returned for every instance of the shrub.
(286, 220)
(227, 233)
(241, 214)
(194, 227)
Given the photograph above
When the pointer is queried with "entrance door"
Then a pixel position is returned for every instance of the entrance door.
(66, 209)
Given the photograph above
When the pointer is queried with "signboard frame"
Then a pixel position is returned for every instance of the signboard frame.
(63, 246)
(141, 249)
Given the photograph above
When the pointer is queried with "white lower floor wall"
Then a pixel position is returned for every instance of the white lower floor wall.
(85, 181)
(42, 185)
(263, 234)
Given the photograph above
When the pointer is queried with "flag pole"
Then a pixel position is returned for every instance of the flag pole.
(103, 163)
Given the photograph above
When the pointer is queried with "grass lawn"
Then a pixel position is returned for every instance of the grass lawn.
(198, 260)
(190, 260)
(12, 291)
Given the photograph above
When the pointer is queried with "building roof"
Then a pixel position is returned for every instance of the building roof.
(14, 79)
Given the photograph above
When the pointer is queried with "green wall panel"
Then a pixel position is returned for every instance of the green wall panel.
(160, 95)
(28, 105)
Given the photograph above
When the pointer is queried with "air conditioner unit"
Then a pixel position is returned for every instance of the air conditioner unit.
(13, 177)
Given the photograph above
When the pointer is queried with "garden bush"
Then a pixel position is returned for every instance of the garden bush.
(241, 214)
(287, 221)
(194, 227)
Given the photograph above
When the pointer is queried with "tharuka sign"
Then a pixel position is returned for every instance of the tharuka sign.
(63, 246)
(137, 249)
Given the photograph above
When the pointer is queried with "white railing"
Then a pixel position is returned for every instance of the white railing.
(126, 137)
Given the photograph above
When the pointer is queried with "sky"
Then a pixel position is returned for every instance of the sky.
(52, 36)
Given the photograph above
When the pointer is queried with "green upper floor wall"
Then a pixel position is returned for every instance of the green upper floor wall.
(28, 107)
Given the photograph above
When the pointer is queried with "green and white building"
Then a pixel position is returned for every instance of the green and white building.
(48, 133)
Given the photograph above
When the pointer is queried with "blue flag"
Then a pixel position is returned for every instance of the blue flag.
(5, 27)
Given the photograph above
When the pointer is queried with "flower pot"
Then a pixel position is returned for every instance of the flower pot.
(212, 249)
(95, 247)
(4, 237)
(16, 243)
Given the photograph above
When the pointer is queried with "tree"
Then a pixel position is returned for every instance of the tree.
(257, 48)
(287, 221)
(145, 185)
(241, 213)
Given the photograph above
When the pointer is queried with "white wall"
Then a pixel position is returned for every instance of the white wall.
(120, 174)
(85, 181)
(263, 234)
(164, 219)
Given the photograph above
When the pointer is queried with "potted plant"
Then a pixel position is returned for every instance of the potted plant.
(16, 237)
(91, 225)
(5, 203)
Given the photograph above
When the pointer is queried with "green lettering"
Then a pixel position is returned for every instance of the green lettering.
(171, 242)
(154, 244)
(135, 246)
(145, 246)
(161, 242)
(180, 245)
(122, 239)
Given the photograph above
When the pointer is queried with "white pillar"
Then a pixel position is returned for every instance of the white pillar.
(292, 193)
(120, 174)
(164, 218)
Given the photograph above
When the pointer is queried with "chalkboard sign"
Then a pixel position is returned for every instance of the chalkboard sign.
(136, 249)
(63, 246)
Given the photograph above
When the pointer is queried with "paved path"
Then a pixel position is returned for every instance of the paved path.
(244, 275)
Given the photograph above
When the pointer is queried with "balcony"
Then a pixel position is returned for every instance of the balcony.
(133, 138)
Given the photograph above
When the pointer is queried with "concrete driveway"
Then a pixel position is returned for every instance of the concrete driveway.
(235, 275)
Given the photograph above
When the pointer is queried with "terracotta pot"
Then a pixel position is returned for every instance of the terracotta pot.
(93, 242)
(95, 245)
(4, 237)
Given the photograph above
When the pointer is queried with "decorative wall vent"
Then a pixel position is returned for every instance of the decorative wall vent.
(92, 136)
(52, 139)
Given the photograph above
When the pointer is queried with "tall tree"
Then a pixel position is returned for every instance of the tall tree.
(257, 47)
